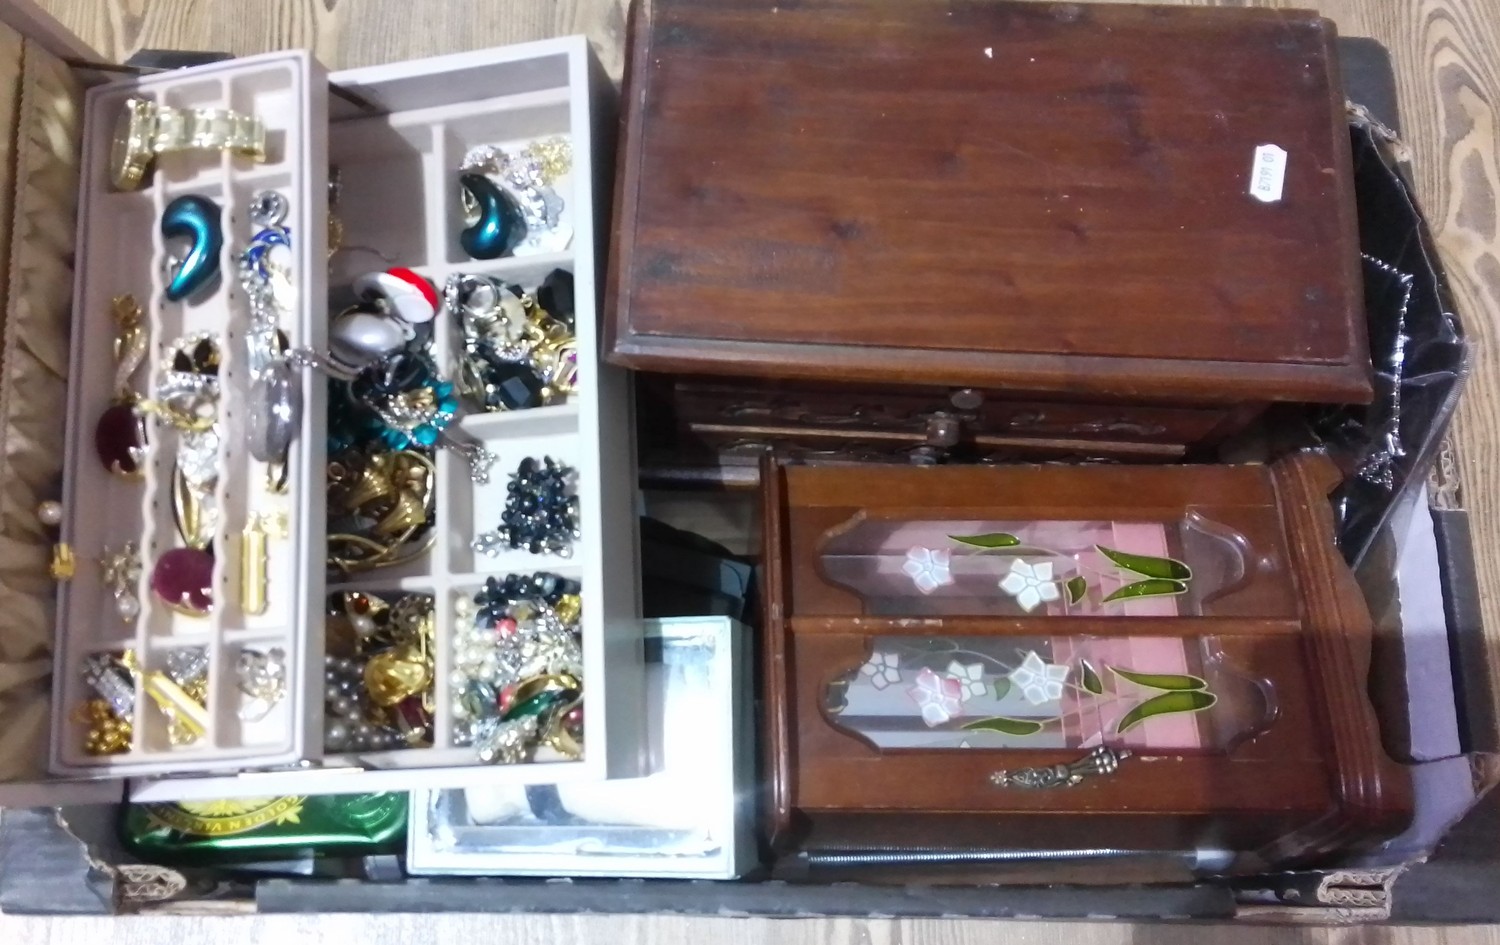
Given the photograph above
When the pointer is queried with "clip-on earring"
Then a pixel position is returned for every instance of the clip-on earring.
(121, 574)
(275, 398)
(120, 433)
(195, 219)
(494, 221)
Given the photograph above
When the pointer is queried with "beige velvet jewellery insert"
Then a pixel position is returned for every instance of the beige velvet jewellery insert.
(157, 534)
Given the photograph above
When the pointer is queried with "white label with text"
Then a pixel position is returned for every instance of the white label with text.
(1267, 173)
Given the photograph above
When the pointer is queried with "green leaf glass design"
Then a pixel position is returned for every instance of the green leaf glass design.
(1168, 569)
(1077, 587)
(991, 540)
(1089, 679)
(1005, 726)
(1002, 687)
(1167, 682)
(1168, 703)
(1152, 587)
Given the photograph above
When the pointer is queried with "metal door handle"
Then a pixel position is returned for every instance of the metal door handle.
(1100, 762)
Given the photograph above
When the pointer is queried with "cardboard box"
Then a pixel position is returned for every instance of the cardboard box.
(66, 861)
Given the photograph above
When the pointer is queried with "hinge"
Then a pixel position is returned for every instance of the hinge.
(1317, 896)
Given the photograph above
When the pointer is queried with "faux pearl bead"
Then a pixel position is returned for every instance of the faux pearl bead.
(50, 513)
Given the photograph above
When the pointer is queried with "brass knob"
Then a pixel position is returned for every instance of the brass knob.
(966, 398)
(943, 430)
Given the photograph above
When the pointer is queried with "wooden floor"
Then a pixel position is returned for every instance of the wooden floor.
(1447, 55)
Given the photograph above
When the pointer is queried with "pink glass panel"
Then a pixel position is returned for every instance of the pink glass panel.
(1048, 692)
(935, 567)
(920, 567)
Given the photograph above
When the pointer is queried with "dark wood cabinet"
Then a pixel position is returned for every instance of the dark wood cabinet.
(972, 223)
(1149, 658)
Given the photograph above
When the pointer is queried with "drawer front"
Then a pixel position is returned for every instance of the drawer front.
(1091, 421)
(731, 444)
(736, 444)
(833, 409)
(948, 722)
(916, 411)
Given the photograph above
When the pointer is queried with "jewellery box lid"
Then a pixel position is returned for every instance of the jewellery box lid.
(1112, 200)
(47, 73)
(41, 100)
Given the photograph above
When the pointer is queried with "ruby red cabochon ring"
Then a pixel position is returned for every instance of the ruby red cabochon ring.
(410, 297)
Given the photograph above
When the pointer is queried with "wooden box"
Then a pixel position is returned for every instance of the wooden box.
(1042, 658)
(882, 229)
(397, 134)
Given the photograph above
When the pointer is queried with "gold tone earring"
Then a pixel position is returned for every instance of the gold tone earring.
(121, 574)
(107, 734)
(254, 563)
(120, 432)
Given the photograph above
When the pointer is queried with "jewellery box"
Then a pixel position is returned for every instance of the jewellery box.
(200, 647)
(991, 232)
(691, 817)
(957, 658)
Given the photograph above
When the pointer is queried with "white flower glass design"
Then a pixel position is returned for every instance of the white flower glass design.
(970, 679)
(1030, 584)
(1038, 680)
(937, 696)
(882, 669)
(928, 568)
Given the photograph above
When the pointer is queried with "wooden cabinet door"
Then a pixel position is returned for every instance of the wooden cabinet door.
(1171, 643)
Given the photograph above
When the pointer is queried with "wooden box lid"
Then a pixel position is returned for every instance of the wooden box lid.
(1045, 196)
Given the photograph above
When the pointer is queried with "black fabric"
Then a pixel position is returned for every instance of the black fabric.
(1417, 347)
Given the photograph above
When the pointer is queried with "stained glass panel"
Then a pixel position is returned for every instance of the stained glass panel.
(1150, 694)
(1039, 568)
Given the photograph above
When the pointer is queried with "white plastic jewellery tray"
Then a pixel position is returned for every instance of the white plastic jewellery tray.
(701, 732)
(397, 134)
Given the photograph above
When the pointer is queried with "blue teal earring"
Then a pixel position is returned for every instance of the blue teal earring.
(495, 222)
(196, 220)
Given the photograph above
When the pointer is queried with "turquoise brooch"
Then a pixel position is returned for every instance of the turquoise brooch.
(194, 219)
